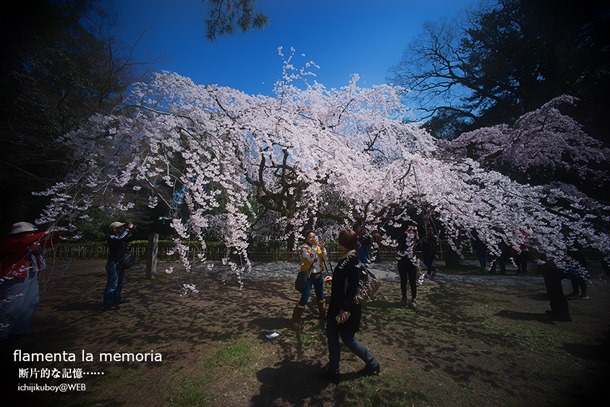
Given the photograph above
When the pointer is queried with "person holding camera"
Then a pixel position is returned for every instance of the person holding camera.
(23, 262)
(313, 261)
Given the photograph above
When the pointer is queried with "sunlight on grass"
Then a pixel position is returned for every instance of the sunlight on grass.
(190, 386)
(392, 391)
(236, 354)
(190, 391)
(466, 344)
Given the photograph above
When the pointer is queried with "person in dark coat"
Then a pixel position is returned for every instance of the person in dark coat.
(407, 264)
(120, 235)
(343, 317)
(429, 247)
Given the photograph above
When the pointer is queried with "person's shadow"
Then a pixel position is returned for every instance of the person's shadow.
(292, 383)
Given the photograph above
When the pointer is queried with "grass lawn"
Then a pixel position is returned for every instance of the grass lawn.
(472, 342)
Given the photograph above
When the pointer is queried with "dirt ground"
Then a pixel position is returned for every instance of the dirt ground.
(476, 340)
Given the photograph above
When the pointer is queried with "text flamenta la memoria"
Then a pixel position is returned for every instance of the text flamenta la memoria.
(64, 356)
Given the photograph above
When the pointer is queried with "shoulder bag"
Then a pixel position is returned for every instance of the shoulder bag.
(126, 261)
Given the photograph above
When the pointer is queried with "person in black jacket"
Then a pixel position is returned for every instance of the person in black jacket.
(343, 317)
(120, 235)
(429, 247)
(407, 264)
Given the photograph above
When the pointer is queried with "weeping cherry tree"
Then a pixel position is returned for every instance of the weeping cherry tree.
(309, 156)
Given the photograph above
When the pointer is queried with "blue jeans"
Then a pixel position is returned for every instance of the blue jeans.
(317, 281)
(18, 301)
(349, 339)
(114, 284)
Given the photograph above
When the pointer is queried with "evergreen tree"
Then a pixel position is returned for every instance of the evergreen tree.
(58, 67)
(509, 58)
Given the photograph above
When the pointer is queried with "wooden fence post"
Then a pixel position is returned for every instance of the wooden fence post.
(152, 253)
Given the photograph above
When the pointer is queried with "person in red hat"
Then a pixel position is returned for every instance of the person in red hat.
(22, 259)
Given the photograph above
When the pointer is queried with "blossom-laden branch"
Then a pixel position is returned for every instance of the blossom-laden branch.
(306, 156)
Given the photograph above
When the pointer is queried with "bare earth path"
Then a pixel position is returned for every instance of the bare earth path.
(476, 340)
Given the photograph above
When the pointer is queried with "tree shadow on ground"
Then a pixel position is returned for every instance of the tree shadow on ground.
(599, 352)
(525, 316)
(472, 337)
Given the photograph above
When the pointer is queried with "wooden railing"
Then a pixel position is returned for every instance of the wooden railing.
(212, 253)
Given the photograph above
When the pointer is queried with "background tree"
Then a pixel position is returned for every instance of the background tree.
(59, 65)
(509, 57)
(544, 147)
(226, 15)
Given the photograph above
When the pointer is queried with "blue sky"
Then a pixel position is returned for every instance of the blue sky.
(342, 37)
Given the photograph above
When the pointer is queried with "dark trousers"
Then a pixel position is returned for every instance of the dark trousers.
(579, 283)
(429, 262)
(407, 272)
(501, 261)
(521, 260)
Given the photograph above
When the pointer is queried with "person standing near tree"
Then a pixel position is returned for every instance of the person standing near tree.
(313, 261)
(344, 315)
(429, 246)
(500, 259)
(576, 271)
(366, 241)
(480, 250)
(522, 255)
(407, 264)
(23, 262)
(120, 235)
(376, 246)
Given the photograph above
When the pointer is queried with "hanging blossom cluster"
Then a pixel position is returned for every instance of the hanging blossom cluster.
(307, 155)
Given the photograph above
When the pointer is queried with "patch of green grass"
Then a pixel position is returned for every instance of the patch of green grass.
(311, 335)
(190, 385)
(190, 391)
(380, 391)
(235, 354)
